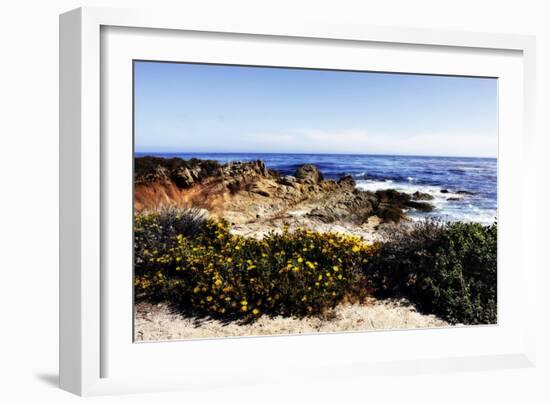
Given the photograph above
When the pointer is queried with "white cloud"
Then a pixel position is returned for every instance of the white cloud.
(364, 142)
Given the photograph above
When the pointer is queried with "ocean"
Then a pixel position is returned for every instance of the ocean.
(452, 175)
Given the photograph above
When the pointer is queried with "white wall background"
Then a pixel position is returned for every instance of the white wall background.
(29, 201)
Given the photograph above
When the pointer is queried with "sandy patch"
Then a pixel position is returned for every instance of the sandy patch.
(158, 322)
(368, 232)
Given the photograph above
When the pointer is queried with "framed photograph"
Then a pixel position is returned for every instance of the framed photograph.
(251, 202)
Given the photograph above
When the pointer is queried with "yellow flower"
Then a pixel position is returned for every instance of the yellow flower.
(196, 290)
(244, 308)
(300, 260)
(335, 268)
(229, 260)
(218, 282)
(209, 298)
(237, 247)
(244, 302)
(255, 311)
(356, 248)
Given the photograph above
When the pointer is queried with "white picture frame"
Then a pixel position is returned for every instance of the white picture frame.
(86, 333)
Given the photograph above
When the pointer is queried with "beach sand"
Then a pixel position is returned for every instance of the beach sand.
(155, 322)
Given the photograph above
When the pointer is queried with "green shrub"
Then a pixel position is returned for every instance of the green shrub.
(446, 269)
(157, 231)
(212, 272)
(199, 266)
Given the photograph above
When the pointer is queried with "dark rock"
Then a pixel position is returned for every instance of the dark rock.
(465, 192)
(444, 191)
(261, 166)
(185, 177)
(453, 198)
(347, 181)
(420, 206)
(389, 213)
(391, 205)
(159, 174)
(345, 206)
(422, 196)
(392, 196)
(309, 173)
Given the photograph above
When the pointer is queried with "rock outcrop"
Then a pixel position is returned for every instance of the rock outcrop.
(309, 173)
(422, 196)
(254, 198)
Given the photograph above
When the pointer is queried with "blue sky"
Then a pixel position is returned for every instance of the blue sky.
(208, 108)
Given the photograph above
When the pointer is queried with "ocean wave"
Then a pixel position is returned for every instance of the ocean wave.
(450, 206)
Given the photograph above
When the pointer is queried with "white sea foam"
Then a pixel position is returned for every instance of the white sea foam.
(452, 210)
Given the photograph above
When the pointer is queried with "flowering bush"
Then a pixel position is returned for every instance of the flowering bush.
(212, 272)
(199, 266)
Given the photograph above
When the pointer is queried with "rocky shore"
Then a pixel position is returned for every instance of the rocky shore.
(256, 200)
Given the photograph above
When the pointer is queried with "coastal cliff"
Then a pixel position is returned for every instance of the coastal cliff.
(255, 199)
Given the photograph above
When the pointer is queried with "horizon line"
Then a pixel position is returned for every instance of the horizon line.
(312, 153)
